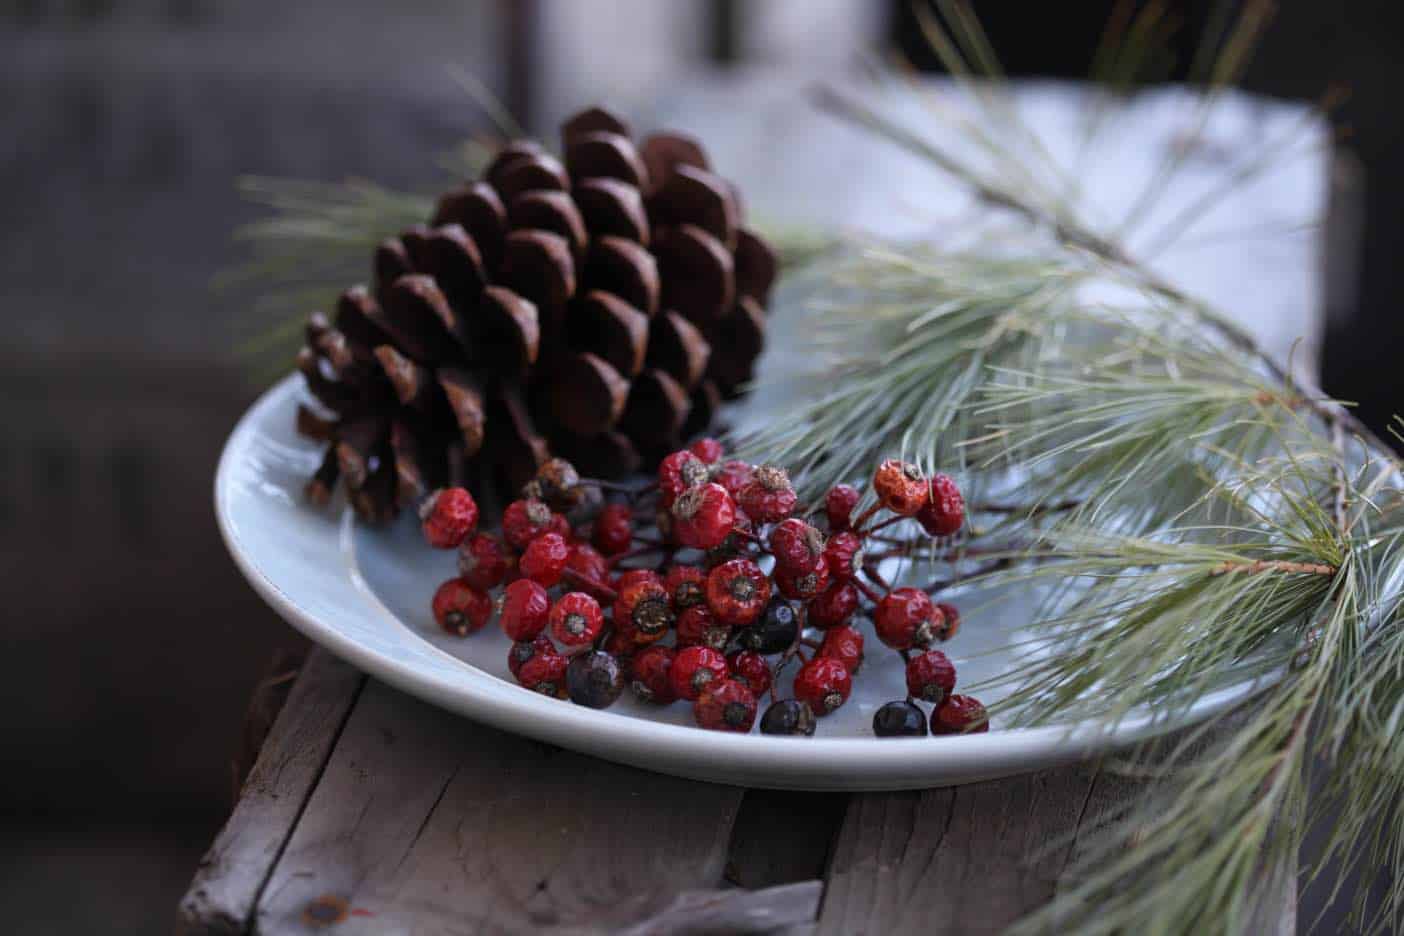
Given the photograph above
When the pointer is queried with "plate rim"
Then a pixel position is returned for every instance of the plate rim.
(845, 763)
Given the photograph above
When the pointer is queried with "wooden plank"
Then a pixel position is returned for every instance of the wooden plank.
(789, 909)
(952, 860)
(974, 859)
(222, 897)
(424, 820)
(783, 836)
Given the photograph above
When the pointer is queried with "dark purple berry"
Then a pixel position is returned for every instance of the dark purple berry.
(775, 631)
(900, 719)
(788, 717)
(594, 679)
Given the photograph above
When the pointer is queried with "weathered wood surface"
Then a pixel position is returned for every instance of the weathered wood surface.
(425, 820)
(233, 872)
(416, 820)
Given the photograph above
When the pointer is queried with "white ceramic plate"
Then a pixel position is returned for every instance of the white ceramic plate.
(364, 595)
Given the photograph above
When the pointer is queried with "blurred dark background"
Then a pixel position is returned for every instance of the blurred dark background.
(131, 645)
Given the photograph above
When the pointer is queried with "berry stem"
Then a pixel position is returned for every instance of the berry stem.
(604, 591)
(791, 651)
(614, 560)
(882, 525)
(863, 518)
(867, 591)
(879, 580)
(989, 567)
(811, 644)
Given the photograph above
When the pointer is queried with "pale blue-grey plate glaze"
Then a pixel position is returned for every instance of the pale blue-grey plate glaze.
(364, 595)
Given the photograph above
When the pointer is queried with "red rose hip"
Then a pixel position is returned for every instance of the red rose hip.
(461, 609)
(725, 705)
(750, 668)
(944, 511)
(643, 608)
(834, 606)
(575, 621)
(959, 714)
(693, 668)
(930, 676)
(844, 556)
(545, 673)
(708, 449)
(703, 516)
(844, 644)
(838, 507)
(687, 586)
(950, 620)
(796, 545)
(900, 487)
(525, 607)
(524, 650)
(544, 559)
(737, 592)
(481, 561)
(735, 475)
(906, 618)
(697, 626)
(824, 683)
(649, 675)
(526, 519)
(613, 532)
(802, 586)
(678, 472)
(449, 515)
(768, 497)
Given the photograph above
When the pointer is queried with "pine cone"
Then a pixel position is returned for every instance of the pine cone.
(599, 309)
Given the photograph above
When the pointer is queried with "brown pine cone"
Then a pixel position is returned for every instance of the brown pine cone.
(599, 308)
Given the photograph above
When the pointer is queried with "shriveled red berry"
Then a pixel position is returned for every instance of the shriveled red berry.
(844, 644)
(906, 618)
(944, 510)
(708, 449)
(725, 705)
(838, 507)
(736, 544)
(768, 497)
(649, 675)
(678, 472)
(686, 586)
(449, 515)
(950, 620)
(844, 556)
(525, 606)
(575, 621)
(613, 532)
(693, 668)
(524, 650)
(634, 576)
(737, 592)
(900, 487)
(698, 627)
(482, 562)
(824, 683)
(545, 673)
(959, 714)
(644, 607)
(752, 669)
(524, 520)
(585, 561)
(834, 606)
(703, 516)
(931, 676)
(461, 609)
(802, 586)
(797, 546)
(544, 559)
(735, 475)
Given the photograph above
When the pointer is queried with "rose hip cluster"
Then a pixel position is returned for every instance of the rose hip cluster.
(703, 587)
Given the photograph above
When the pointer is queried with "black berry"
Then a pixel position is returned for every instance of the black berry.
(594, 679)
(788, 717)
(775, 631)
(900, 719)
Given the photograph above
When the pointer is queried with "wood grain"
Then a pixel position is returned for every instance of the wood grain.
(424, 820)
(969, 859)
(222, 897)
